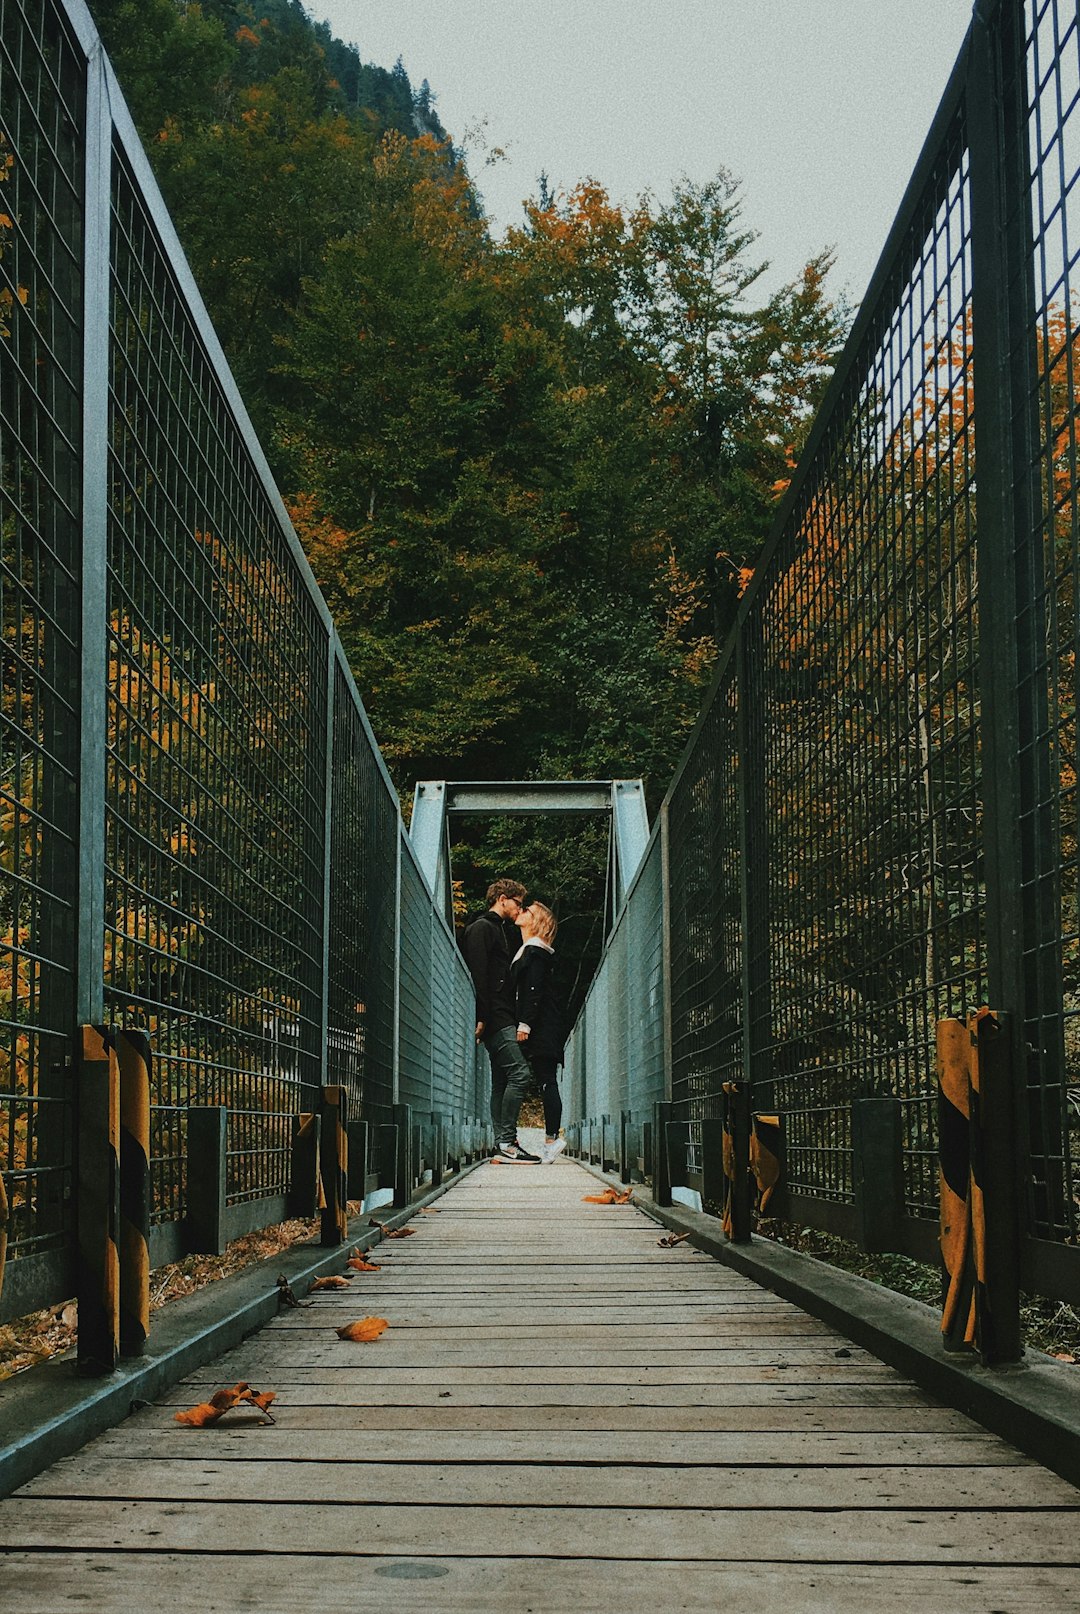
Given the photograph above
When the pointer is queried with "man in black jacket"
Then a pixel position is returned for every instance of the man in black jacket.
(489, 944)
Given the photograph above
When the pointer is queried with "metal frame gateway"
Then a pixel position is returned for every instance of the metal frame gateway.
(436, 801)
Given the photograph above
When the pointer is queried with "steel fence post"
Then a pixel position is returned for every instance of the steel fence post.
(90, 906)
(207, 1167)
(325, 1074)
(1013, 728)
(754, 912)
(665, 924)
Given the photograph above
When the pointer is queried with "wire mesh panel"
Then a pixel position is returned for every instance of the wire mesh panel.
(706, 917)
(452, 1017)
(363, 917)
(870, 716)
(216, 742)
(645, 1083)
(42, 96)
(1048, 356)
(613, 1080)
(415, 1010)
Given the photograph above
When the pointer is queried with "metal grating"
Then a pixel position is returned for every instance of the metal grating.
(870, 718)
(1048, 616)
(706, 919)
(215, 800)
(42, 97)
(363, 896)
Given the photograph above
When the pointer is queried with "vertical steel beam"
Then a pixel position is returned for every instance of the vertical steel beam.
(665, 923)
(753, 910)
(90, 906)
(328, 829)
(1009, 562)
(207, 1163)
(400, 831)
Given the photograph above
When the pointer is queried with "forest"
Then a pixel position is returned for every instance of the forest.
(532, 472)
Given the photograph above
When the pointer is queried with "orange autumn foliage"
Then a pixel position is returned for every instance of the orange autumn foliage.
(223, 1401)
(610, 1196)
(364, 1330)
(330, 1283)
(360, 1263)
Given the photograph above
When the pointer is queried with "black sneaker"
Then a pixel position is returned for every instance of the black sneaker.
(512, 1154)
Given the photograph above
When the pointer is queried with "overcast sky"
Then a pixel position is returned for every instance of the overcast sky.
(819, 106)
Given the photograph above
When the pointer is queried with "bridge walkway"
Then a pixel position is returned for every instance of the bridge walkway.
(561, 1415)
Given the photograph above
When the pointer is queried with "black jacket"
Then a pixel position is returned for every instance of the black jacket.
(538, 1005)
(489, 943)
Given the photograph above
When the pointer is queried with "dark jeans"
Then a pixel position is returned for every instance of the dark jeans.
(546, 1072)
(509, 1080)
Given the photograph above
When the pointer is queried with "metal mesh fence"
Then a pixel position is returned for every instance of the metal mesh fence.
(706, 928)
(869, 711)
(42, 93)
(216, 741)
(875, 824)
(363, 916)
(199, 837)
(1047, 407)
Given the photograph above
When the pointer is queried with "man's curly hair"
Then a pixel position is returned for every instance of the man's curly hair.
(505, 888)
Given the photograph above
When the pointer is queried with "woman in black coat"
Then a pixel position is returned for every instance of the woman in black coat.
(541, 1021)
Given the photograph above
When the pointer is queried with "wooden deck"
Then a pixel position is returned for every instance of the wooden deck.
(561, 1416)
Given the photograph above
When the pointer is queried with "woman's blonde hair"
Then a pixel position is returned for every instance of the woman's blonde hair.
(544, 922)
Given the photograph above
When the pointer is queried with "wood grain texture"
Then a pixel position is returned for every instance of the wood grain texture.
(561, 1408)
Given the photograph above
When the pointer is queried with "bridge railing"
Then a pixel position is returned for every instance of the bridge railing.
(874, 827)
(200, 838)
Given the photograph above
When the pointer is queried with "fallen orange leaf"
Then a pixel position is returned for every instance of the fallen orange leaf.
(610, 1196)
(392, 1232)
(222, 1401)
(367, 1328)
(360, 1263)
(330, 1283)
(672, 1240)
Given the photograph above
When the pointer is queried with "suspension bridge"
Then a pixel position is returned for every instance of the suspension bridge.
(838, 989)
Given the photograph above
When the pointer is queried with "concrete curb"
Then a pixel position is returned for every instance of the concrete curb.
(48, 1412)
(1035, 1403)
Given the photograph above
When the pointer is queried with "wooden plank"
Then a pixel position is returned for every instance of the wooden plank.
(806, 1535)
(166, 1442)
(553, 1485)
(271, 1582)
(458, 1414)
(562, 1408)
(348, 1373)
(426, 1352)
(404, 1393)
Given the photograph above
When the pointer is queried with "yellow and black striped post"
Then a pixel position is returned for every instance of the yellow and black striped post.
(994, 1153)
(334, 1165)
(981, 1308)
(735, 1214)
(958, 1321)
(98, 1138)
(766, 1146)
(133, 1054)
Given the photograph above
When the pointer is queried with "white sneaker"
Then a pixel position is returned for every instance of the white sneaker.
(549, 1151)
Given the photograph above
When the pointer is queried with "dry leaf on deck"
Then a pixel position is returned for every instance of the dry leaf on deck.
(330, 1283)
(671, 1240)
(360, 1263)
(223, 1401)
(367, 1328)
(392, 1232)
(610, 1196)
